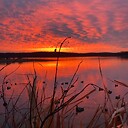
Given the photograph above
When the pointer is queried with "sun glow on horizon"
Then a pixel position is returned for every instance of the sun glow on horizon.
(85, 48)
(51, 49)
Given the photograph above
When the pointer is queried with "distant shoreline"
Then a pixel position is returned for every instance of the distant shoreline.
(61, 54)
(7, 58)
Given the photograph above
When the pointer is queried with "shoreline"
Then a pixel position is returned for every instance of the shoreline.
(61, 54)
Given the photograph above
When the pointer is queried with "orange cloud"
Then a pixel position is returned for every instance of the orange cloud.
(41, 24)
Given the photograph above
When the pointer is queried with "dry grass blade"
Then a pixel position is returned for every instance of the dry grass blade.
(120, 83)
(107, 97)
(56, 73)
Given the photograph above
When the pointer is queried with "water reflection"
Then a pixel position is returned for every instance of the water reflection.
(19, 74)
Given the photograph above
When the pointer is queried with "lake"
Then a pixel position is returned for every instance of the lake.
(73, 74)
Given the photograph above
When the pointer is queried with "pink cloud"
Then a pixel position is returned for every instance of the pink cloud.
(44, 23)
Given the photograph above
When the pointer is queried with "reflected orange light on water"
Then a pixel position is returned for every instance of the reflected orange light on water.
(88, 72)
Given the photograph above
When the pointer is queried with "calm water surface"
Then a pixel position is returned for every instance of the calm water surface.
(88, 72)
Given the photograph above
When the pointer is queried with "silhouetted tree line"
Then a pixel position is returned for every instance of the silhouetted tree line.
(62, 54)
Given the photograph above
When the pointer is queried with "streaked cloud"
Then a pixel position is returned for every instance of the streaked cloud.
(44, 23)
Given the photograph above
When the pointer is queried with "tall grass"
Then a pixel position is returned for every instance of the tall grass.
(42, 111)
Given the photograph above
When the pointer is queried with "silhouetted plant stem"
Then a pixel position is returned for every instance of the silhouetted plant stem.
(69, 86)
(56, 73)
(5, 104)
(105, 88)
(64, 105)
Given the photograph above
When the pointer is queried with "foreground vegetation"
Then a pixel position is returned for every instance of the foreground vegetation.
(40, 110)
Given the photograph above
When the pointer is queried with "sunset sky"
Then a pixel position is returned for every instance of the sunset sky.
(40, 25)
